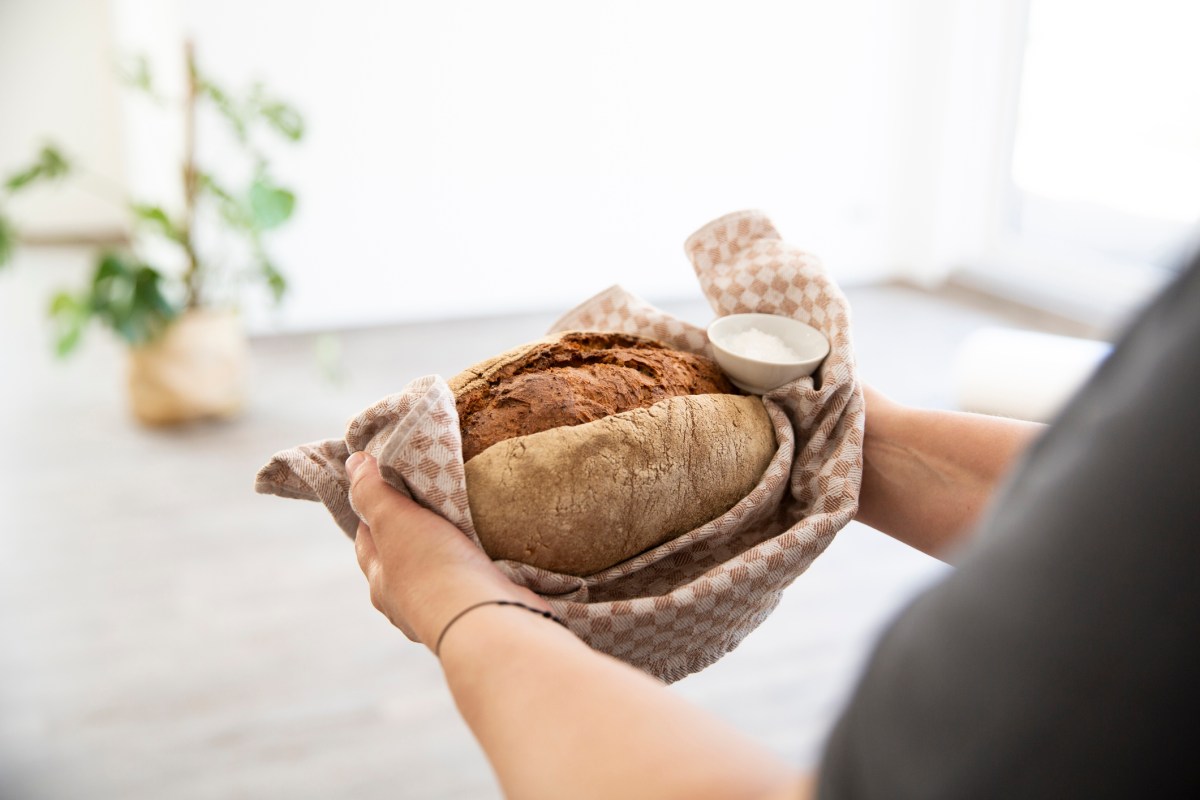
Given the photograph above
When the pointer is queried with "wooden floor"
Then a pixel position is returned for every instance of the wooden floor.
(167, 633)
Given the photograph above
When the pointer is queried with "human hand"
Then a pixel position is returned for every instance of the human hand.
(421, 569)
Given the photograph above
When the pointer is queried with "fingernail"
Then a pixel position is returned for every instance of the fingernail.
(354, 462)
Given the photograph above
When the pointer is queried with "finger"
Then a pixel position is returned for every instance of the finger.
(364, 548)
(370, 496)
(401, 530)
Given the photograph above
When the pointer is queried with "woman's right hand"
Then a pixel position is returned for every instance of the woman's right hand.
(421, 569)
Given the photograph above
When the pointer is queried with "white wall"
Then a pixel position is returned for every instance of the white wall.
(57, 83)
(472, 157)
(953, 101)
(477, 157)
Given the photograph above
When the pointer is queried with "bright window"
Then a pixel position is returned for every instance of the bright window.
(1106, 156)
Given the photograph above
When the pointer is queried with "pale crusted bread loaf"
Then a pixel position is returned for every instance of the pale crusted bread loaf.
(584, 449)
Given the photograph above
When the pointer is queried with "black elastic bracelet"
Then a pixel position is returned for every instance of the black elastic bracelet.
(547, 614)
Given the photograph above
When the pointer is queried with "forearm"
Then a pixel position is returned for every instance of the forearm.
(928, 474)
(558, 719)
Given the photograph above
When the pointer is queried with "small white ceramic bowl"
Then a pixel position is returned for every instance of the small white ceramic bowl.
(756, 375)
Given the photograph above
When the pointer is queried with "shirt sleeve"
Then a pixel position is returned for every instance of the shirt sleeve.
(1060, 656)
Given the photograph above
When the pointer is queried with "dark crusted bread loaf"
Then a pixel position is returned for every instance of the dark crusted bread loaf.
(576, 378)
(584, 449)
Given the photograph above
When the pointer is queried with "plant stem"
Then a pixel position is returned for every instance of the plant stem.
(191, 277)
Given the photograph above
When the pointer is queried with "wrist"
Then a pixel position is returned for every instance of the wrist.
(483, 604)
(883, 421)
(500, 636)
(880, 408)
(441, 599)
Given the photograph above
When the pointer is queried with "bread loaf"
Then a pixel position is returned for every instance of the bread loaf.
(586, 448)
(571, 379)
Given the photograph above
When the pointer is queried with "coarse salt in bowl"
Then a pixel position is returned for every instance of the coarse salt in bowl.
(761, 352)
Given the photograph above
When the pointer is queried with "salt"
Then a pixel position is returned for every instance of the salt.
(761, 346)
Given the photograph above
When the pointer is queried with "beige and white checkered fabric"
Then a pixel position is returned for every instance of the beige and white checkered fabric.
(677, 608)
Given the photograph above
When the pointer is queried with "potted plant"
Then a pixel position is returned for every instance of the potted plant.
(187, 349)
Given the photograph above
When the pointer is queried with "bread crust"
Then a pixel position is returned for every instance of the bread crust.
(596, 464)
(572, 378)
(579, 499)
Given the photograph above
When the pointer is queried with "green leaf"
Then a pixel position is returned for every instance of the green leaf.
(207, 183)
(20, 180)
(225, 104)
(271, 205)
(282, 117)
(69, 315)
(274, 278)
(233, 211)
(8, 241)
(285, 119)
(151, 310)
(135, 73)
(111, 295)
(111, 266)
(49, 165)
(125, 295)
(63, 303)
(157, 219)
(67, 340)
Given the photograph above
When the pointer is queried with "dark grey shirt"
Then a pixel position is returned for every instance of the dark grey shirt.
(1061, 658)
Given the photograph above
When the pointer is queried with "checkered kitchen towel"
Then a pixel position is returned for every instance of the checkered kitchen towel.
(679, 607)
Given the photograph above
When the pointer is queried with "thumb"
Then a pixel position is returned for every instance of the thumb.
(370, 496)
(364, 548)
